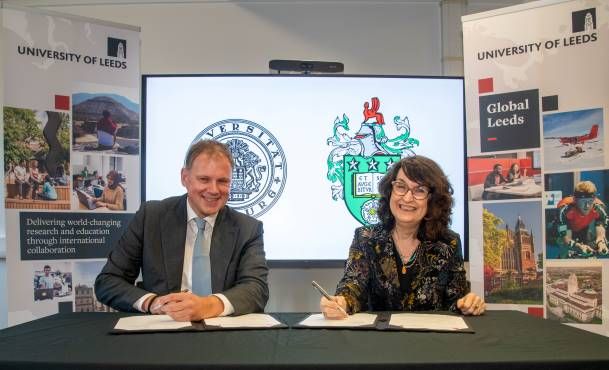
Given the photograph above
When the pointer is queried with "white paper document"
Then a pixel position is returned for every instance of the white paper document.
(428, 321)
(252, 320)
(150, 322)
(359, 319)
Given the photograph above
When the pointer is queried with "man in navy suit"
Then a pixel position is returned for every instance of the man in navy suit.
(160, 241)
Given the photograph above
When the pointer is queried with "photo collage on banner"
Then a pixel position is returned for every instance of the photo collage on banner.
(71, 155)
(537, 101)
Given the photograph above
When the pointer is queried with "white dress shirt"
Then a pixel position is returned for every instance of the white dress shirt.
(191, 235)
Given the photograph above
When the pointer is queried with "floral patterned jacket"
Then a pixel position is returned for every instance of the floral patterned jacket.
(371, 281)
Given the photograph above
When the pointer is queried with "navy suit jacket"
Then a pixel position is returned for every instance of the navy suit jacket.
(154, 244)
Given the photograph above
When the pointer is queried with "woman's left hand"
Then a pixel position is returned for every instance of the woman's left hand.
(471, 304)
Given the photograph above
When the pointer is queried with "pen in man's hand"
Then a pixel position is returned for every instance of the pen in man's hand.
(323, 292)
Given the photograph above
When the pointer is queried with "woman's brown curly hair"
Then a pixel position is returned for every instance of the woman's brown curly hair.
(423, 171)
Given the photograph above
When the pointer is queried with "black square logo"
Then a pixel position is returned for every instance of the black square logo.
(549, 103)
(583, 20)
(509, 121)
(117, 48)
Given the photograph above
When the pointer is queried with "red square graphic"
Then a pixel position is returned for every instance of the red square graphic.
(62, 102)
(535, 311)
(485, 85)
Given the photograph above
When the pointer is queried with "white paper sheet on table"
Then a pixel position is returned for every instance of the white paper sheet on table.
(428, 321)
(252, 320)
(150, 322)
(355, 320)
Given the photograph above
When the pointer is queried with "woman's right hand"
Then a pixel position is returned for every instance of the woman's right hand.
(335, 308)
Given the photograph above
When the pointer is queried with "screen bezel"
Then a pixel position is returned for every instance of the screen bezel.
(317, 263)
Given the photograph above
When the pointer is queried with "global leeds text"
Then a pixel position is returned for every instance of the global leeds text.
(510, 106)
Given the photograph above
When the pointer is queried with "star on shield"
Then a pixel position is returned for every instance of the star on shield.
(373, 165)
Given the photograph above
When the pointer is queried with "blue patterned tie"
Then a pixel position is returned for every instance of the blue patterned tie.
(201, 267)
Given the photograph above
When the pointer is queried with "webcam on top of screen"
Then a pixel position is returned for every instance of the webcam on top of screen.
(305, 66)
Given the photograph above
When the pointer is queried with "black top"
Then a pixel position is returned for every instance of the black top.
(406, 272)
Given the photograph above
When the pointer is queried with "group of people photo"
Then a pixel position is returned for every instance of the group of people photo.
(214, 262)
(515, 175)
(36, 158)
(27, 179)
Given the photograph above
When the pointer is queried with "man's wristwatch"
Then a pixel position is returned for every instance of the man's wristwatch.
(150, 304)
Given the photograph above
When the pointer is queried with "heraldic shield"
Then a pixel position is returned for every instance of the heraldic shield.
(361, 179)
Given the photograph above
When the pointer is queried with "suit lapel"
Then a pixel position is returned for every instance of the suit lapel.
(222, 247)
(173, 236)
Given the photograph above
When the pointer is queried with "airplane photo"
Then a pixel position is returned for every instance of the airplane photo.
(575, 143)
(567, 140)
(573, 139)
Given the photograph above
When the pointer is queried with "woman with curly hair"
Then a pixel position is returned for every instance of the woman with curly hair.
(410, 260)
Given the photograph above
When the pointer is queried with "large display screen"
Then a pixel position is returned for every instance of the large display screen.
(309, 150)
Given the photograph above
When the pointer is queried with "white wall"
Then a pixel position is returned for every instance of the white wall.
(241, 37)
(207, 36)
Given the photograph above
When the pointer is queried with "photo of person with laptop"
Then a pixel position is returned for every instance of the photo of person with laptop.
(100, 183)
(515, 175)
(113, 195)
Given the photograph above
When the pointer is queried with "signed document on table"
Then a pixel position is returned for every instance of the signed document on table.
(353, 321)
(432, 322)
(161, 323)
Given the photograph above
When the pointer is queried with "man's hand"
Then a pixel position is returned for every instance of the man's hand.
(188, 306)
(152, 305)
(601, 246)
(471, 304)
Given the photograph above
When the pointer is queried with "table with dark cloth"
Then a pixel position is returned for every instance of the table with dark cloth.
(502, 340)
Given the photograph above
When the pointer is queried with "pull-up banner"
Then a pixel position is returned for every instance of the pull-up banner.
(537, 100)
(71, 120)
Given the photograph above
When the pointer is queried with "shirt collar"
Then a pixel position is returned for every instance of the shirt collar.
(191, 215)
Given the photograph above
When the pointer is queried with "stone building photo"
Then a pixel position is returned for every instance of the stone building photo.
(574, 294)
(512, 253)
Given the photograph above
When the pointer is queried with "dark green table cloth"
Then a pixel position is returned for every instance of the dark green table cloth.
(502, 340)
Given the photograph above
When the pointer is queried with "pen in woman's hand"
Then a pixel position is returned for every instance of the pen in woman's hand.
(323, 292)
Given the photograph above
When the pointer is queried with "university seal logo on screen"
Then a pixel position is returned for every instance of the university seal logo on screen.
(360, 157)
(260, 168)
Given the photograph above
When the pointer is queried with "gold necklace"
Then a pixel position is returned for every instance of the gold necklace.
(413, 257)
(410, 262)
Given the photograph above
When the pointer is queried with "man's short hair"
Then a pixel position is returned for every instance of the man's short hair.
(211, 147)
(585, 189)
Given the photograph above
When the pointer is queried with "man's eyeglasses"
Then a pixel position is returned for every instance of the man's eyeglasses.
(418, 192)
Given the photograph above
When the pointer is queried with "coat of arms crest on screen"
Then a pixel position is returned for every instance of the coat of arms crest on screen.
(359, 159)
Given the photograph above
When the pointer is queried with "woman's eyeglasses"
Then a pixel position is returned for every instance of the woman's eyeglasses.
(418, 192)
